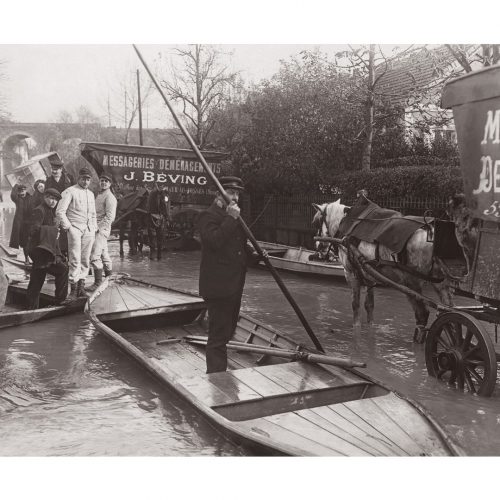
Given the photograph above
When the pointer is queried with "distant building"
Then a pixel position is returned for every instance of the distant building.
(21, 141)
(415, 84)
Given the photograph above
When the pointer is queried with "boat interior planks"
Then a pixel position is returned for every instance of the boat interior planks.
(413, 425)
(280, 405)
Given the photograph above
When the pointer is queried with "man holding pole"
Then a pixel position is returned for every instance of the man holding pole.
(224, 254)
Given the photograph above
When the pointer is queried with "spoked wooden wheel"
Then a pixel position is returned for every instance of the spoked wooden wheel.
(460, 352)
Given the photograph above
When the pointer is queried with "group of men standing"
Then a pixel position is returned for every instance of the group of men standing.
(69, 232)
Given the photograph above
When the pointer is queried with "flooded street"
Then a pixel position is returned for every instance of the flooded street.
(66, 391)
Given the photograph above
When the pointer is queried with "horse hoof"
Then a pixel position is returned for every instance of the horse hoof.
(420, 334)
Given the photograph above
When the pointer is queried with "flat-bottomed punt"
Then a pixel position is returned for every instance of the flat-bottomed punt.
(273, 404)
(300, 260)
(14, 311)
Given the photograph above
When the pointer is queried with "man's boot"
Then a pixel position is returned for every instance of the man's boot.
(97, 280)
(80, 289)
(72, 295)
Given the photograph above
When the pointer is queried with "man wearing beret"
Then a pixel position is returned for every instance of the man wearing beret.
(76, 214)
(45, 252)
(224, 254)
(105, 205)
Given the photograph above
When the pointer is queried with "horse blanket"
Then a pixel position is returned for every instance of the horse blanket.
(368, 222)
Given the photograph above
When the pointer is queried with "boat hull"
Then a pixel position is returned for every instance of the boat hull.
(279, 406)
(297, 260)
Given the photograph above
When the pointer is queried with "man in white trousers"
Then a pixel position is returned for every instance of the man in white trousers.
(76, 214)
(105, 205)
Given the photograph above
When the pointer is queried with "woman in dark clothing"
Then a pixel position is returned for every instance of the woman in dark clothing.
(37, 197)
(21, 225)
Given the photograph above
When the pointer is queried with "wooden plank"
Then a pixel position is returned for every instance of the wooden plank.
(204, 391)
(365, 435)
(319, 377)
(169, 356)
(298, 424)
(301, 445)
(130, 299)
(367, 427)
(343, 428)
(283, 375)
(414, 424)
(233, 387)
(367, 409)
(259, 382)
(148, 298)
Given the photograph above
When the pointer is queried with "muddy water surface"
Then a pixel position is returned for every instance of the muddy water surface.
(64, 390)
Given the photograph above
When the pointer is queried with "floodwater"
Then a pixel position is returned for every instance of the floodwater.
(66, 391)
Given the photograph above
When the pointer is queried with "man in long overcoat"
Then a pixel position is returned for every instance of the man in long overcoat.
(224, 255)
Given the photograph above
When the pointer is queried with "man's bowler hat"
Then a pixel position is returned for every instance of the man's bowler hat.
(56, 163)
(54, 193)
(84, 172)
(232, 183)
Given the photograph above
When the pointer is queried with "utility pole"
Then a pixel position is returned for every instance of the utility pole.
(109, 113)
(140, 107)
(125, 103)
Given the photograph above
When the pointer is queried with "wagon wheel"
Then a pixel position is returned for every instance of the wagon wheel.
(459, 351)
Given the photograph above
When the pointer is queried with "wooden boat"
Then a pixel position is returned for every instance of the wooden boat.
(14, 312)
(298, 260)
(273, 404)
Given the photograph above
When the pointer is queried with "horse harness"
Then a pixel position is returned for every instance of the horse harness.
(348, 240)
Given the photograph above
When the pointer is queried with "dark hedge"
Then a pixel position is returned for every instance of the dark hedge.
(401, 182)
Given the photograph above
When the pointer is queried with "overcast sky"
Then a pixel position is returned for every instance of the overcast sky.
(43, 80)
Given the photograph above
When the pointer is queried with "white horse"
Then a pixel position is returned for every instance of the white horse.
(417, 255)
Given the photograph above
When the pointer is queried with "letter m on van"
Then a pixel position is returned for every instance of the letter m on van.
(492, 128)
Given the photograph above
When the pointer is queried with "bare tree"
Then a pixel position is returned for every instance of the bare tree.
(201, 82)
(369, 64)
(122, 103)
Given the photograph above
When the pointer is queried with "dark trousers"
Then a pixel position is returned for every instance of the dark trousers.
(37, 278)
(222, 319)
(155, 237)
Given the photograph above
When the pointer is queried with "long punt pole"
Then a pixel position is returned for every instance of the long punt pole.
(249, 234)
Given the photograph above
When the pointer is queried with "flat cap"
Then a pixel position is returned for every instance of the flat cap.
(84, 172)
(229, 182)
(54, 193)
(106, 176)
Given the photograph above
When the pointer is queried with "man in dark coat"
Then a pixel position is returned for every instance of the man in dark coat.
(45, 252)
(59, 179)
(157, 217)
(224, 254)
(21, 223)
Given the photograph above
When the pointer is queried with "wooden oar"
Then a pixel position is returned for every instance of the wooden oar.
(284, 353)
(249, 234)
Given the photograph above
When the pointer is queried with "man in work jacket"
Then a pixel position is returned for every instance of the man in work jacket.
(45, 252)
(224, 254)
(76, 214)
(105, 205)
